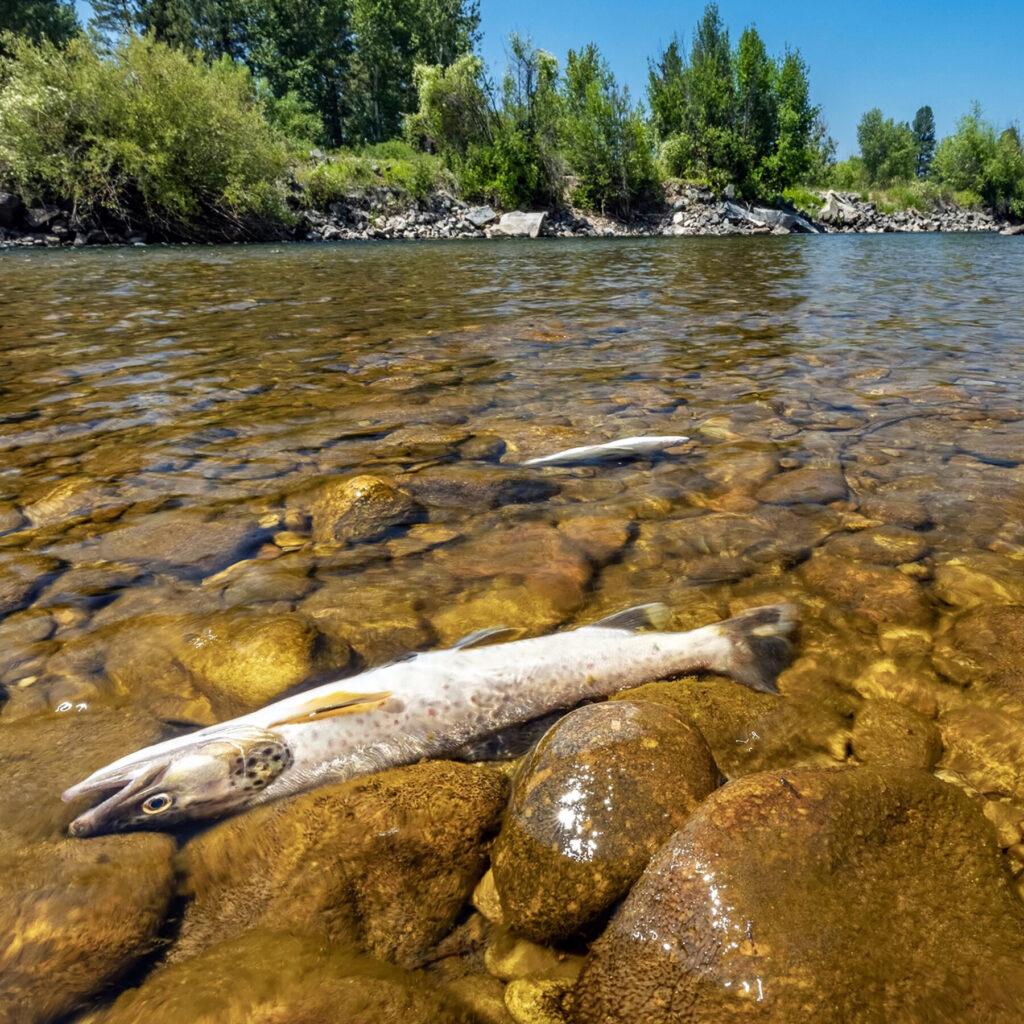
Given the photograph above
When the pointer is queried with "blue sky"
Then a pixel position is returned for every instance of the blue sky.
(898, 55)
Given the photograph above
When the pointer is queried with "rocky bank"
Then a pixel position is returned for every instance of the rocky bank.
(389, 213)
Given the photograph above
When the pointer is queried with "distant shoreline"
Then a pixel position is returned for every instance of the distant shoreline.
(388, 213)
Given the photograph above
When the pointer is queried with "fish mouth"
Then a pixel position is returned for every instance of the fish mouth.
(120, 787)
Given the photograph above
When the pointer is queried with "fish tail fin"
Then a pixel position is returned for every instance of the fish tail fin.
(758, 645)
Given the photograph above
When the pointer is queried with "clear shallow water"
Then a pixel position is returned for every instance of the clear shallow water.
(171, 418)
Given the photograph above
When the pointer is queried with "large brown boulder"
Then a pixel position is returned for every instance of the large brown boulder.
(597, 796)
(848, 895)
(385, 862)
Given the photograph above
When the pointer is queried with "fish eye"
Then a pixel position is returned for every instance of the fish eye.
(157, 803)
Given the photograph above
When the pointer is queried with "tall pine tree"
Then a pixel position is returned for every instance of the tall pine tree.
(923, 128)
(35, 19)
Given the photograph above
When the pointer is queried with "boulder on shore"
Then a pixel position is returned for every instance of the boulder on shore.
(517, 224)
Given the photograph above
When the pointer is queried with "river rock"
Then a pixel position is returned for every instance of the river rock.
(478, 216)
(598, 795)
(978, 578)
(359, 509)
(188, 541)
(21, 576)
(985, 646)
(883, 545)
(41, 755)
(516, 224)
(748, 731)
(809, 484)
(273, 977)
(885, 732)
(378, 616)
(875, 594)
(76, 915)
(985, 747)
(385, 861)
(775, 903)
(72, 498)
(465, 492)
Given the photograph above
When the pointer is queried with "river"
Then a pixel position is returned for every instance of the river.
(174, 422)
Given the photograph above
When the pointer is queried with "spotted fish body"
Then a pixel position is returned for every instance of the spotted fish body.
(430, 706)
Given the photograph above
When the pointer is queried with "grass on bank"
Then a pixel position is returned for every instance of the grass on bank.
(395, 164)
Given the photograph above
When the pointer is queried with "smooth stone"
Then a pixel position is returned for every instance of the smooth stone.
(386, 862)
(985, 646)
(517, 224)
(509, 956)
(536, 1001)
(979, 578)
(273, 977)
(74, 916)
(600, 538)
(69, 499)
(483, 996)
(461, 492)
(985, 747)
(189, 541)
(912, 685)
(885, 732)
(748, 731)
(22, 576)
(379, 617)
(10, 518)
(359, 509)
(602, 790)
(775, 903)
(478, 216)
(875, 594)
(809, 484)
(41, 755)
(884, 545)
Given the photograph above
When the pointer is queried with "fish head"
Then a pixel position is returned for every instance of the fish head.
(171, 783)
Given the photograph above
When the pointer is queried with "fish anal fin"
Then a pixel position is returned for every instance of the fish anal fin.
(480, 637)
(331, 704)
(643, 616)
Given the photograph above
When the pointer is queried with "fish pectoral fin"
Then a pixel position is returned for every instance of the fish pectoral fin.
(643, 616)
(332, 704)
(483, 636)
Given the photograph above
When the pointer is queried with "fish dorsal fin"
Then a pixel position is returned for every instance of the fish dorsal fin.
(643, 616)
(330, 704)
(480, 637)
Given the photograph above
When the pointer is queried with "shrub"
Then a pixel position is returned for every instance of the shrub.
(148, 135)
(345, 173)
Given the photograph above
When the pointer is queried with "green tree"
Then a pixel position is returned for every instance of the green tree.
(145, 134)
(607, 145)
(756, 125)
(923, 128)
(666, 91)
(38, 19)
(454, 110)
(710, 97)
(976, 161)
(794, 152)
(887, 148)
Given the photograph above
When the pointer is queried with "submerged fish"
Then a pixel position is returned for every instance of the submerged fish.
(432, 705)
(625, 447)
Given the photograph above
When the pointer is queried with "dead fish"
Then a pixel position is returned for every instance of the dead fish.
(624, 448)
(432, 705)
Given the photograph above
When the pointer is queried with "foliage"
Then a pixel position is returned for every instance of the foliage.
(887, 148)
(291, 117)
(395, 164)
(147, 135)
(736, 115)
(606, 143)
(974, 159)
(923, 128)
(37, 19)
(454, 111)
(804, 200)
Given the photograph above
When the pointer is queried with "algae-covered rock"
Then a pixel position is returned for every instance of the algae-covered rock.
(268, 977)
(509, 956)
(884, 545)
(76, 915)
(41, 755)
(985, 645)
(748, 731)
(985, 746)
(851, 895)
(979, 578)
(885, 732)
(598, 795)
(876, 594)
(810, 484)
(21, 576)
(532, 1001)
(359, 509)
(386, 861)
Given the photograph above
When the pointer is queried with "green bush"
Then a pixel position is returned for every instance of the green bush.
(347, 173)
(146, 134)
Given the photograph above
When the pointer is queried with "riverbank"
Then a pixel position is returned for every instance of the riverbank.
(388, 212)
